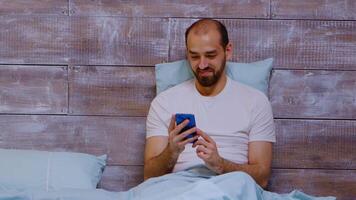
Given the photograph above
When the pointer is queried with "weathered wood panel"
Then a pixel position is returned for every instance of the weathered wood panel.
(313, 94)
(123, 139)
(121, 178)
(339, 183)
(294, 44)
(181, 8)
(300, 144)
(124, 91)
(315, 144)
(118, 41)
(128, 91)
(34, 40)
(316, 9)
(83, 40)
(30, 7)
(33, 89)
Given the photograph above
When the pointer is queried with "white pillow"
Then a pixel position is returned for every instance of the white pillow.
(42, 170)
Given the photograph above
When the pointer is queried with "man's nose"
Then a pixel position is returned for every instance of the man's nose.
(203, 63)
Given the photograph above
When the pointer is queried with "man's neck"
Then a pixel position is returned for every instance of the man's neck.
(214, 89)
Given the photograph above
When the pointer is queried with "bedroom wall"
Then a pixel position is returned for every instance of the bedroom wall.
(77, 75)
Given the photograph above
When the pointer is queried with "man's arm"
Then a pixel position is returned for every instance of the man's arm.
(259, 156)
(159, 159)
(259, 163)
(162, 152)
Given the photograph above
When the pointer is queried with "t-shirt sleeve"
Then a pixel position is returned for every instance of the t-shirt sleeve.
(262, 123)
(158, 119)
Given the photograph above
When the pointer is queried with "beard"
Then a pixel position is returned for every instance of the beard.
(208, 81)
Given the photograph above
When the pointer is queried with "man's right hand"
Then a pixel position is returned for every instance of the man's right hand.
(161, 153)
(177, 140)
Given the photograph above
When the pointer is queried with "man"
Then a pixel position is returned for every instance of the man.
(235, 129)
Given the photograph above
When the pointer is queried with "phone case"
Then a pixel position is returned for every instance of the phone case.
(180, 117)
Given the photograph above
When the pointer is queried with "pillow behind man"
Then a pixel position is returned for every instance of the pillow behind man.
(254, 74)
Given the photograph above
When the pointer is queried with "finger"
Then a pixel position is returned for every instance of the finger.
(205, 136)
(192, 139)
(172, 123)
(197, 142)
(203, 149)
(180, 126)
(184, 134)
(204, 143)
(202, 155)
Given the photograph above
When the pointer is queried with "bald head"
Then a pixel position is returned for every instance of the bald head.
(203, 26)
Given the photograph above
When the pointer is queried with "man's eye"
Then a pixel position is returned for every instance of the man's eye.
(210, 56)
(194, 57)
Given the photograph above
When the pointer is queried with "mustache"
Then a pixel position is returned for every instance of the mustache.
(208, 69)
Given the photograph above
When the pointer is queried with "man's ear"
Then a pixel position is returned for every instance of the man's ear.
(229, 51)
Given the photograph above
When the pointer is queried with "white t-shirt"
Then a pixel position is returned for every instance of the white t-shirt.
(236, 116)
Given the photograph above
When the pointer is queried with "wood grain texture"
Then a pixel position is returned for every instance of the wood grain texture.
(118, 41)
(121, 178)
(316, 9)
(300, 143)
(313, 94)
(293, 44)
(322, 144)
(33, 89)
(339, 183)
(83, 40)
(34, 7)
(128, 91)
(122, 139)
(34, 40)
(181, 8)
(123, 91)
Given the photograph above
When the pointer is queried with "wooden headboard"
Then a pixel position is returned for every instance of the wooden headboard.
(78, 76)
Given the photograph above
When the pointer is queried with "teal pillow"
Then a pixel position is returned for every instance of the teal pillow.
(49, 171)
(254, 74)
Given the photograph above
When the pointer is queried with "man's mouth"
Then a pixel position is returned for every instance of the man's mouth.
(205, 72)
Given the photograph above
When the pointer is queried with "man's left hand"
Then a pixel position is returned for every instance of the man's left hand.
(208, 151)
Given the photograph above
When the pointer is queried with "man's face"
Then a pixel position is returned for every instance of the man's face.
(206, 57)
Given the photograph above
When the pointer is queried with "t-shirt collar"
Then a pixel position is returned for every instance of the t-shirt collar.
(210, 98)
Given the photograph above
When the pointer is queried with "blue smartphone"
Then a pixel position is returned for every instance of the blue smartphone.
(180, 117)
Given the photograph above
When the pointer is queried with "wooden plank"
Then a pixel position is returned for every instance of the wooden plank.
(118, 41)
(83, 40)
(305, 93)
(319, 144)
(300, 143)
(123, 91)
(294, 44)
(31, 7)
(313, 94)
(121, 178)
(34, 40)
(123, 139)
(339, 183)
(181, 8)
(33, 89)
(316, 9)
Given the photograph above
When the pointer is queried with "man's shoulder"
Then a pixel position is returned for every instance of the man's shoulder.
(242, 89)
(175, 92)
(177, 89)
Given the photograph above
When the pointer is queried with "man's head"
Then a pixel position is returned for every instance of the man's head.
(208, 48)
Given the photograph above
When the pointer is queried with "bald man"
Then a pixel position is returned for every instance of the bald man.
(235, 129)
